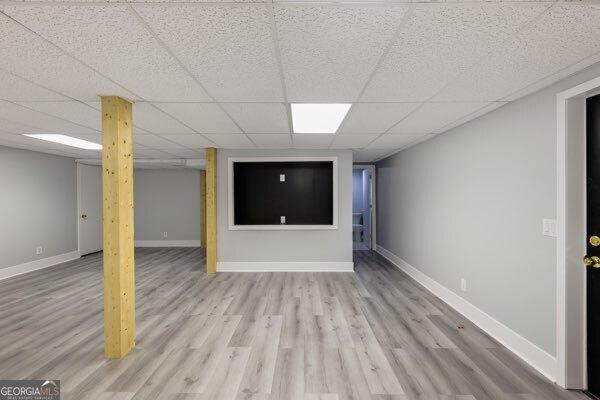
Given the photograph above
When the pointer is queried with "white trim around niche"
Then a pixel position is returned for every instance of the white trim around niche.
(230, 213)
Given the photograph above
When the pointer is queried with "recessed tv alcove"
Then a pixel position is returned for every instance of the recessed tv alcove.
(276, 193)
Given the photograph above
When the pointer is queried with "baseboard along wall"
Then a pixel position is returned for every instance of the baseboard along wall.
(523, 348)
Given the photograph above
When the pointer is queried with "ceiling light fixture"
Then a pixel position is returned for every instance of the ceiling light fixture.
(68, 141)
(318, 118)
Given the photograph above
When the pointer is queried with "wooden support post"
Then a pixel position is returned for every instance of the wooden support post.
(211, 211)
(117, 193)
(203, 208)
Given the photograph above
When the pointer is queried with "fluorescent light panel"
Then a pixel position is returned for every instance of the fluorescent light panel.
(68, 141)
(318, 118)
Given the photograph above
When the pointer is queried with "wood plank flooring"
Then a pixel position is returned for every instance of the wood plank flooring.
(370, 335)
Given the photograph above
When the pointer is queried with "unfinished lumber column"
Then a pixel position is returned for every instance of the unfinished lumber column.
(203, 209)
(211, 211)
(118, 257)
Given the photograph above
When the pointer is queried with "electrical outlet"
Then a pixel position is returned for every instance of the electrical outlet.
(39, 250)
(281, 177)
(164, 234)
(282, 219)
(463, 284)
(549, 227)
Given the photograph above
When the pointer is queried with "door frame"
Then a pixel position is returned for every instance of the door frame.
(372, 170)
(78, 216)
(571, 337)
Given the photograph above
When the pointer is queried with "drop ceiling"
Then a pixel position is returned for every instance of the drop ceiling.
(223, 74)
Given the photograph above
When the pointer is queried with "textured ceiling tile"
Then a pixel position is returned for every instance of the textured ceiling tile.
(392, 142)
(152, 154)
(13, 127)
(202, 117)
(567, 34)
(22, 115)
(154, 120)
(156, 142)
(259, 117)
(194, 141)
(18, 89)
(433, 116)
(369, 155)
(112, 41)
(74, 111)
(439, 41)
(311, 141)
(228, 47)
(329, 51)
(27, 55)
(352, 141)
(272, 140)
(231, 141)
(374, 117)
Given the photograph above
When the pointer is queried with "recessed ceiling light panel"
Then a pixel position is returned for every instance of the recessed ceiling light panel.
(68, 141)
(318, 118)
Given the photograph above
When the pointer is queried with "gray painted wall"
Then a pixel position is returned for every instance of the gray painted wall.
(38, 205)
(167, 200)
(469, 204)
(286, 246)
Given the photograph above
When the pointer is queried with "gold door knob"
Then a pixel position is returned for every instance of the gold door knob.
(595, 240)
(593, 261)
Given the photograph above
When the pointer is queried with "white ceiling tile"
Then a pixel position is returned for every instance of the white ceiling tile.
(228, 47)
(74, 111)
(486, 109)
(234, 141)
(193, 141)
(439, 41)
(259, 117)
(391, 142)
(565, 35)
(329, 51)
(349, 141)
(152, 154)
(155, 142)
(111, 40)
(186, 153)
(151, 119)
(15, 88)
(22, 115)
(311, 141)
(432, 116)
(374, 117)
(272, 140)
(31, 57)
(369, 155)
(17, 128)
(201, 117)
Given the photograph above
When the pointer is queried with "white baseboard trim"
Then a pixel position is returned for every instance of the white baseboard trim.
(167, 243)
(529, 352)
(42, 263)
(303, 266)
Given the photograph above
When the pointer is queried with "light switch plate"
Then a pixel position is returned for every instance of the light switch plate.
(281, 177)
(549, 227)
(282, 219)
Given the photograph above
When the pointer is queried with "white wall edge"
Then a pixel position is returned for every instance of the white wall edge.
(35, 265)
(303, 266)
(523, 348)
(167, 243)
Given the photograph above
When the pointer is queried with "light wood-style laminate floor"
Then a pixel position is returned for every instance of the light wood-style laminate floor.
(374, 334)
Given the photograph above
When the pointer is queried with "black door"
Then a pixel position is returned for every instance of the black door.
(593, 248)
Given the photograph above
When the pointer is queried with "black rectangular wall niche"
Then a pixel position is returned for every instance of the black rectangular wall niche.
(300, 191)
